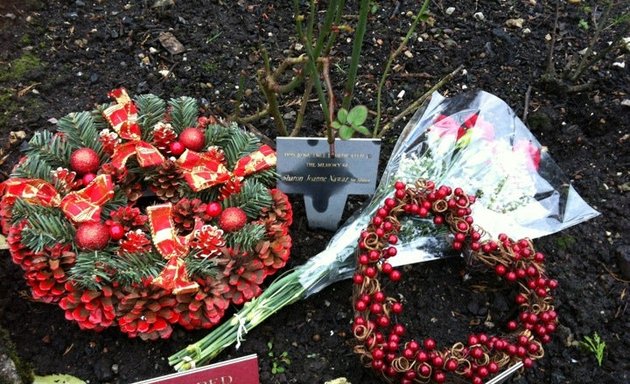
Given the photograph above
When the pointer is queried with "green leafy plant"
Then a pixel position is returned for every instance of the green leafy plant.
(279, 363)
(349, 122)
(596, 345)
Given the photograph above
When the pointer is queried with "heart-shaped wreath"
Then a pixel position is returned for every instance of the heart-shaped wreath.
(381, 340)
(213, 227)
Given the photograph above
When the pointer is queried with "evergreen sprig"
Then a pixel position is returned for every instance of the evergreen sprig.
(267, 177)
(201, 266)
(184, 112)
(51, 148)
(252, 198)
(81, 130)
(246, 238)
(117, 201)
(132, 268)
(33, 167)
(235, 142)
(151, 111)
(91, 269)
(46, 228)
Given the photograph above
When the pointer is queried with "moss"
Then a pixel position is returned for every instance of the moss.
(25, 40)
(565, 242)
(20, 67)
(24, 370)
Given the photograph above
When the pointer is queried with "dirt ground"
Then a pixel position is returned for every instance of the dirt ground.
(58, 57)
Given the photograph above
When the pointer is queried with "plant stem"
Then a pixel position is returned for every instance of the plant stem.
(586, 58)
(331, 104)
(357, 44)
(419, 101)
(272, 99)
(421, 14)
(299, 120)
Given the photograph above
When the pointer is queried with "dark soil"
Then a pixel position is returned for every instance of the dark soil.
(86, 48)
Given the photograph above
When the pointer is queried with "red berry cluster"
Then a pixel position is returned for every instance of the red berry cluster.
(382, 345)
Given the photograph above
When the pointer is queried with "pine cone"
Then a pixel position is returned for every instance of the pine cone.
(134, 242)
(44, 271)
(130, 217)
(184, 213)
(163, 136)
(245, 277)
(93, 310)
(167, 182)
(147, 313)
(209, 240)
(205, 308)
(274, 253)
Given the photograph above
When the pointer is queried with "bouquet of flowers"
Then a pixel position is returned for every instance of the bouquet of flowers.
(474, 141)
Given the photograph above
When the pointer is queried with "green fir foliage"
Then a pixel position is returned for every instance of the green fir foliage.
(51, 148)
(90, 270)
(184, 112)
(246, 238)
(119, 200)
(201, 266)
(151, 110)
(33, 167)
(267, 177)
(235, 142)
(252, 198)
(132, 268)
(81, 130)
(45, 226)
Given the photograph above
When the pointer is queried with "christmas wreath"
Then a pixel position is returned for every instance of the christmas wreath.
(381, 339)
(142, 215)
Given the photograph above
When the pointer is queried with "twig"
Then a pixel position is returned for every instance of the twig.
(331, 103)
(526, 106)
(390, 60)
(256, 116)
(413, 106)
(551, 69)
(264, 138)
(304, 103)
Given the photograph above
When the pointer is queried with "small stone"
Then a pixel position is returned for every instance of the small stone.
(316, 337)
(514, 23)
(623, 259)
(94, 78)
(170, 42)
(79, 3)
(449, 11)
(479, 16)
(548, 37)
(625, 102)
(103, 369)
(339, 380)
(527, 31)
(115, 369)
(408, 54)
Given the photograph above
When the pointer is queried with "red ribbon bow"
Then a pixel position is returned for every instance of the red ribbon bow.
(203, 170)
(172, 247)
(123, 117)
(79, 206)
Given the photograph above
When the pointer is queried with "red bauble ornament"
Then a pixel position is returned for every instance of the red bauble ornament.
(214, 209)
(84, 161)
(92, 236)
(177, 148)
(116, 231)
(232, 219)
(193, 139)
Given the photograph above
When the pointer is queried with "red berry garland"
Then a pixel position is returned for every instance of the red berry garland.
(381, 343)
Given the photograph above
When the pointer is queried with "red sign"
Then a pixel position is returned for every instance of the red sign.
(243, 370)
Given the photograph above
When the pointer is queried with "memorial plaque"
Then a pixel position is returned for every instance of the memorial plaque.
(306, 167)
(243, 370)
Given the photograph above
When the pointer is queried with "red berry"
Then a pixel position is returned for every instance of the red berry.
(193, 139)
(399, 185)
(116, 231)
(87, 178)
(451, 365)
(429, 344)
(214, 209)
(395, 275)
(358, 279)
(500, 269)
(176, 148)
(397, 308)
(360, 306)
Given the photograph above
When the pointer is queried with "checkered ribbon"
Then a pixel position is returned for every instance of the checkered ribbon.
(123, 117)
